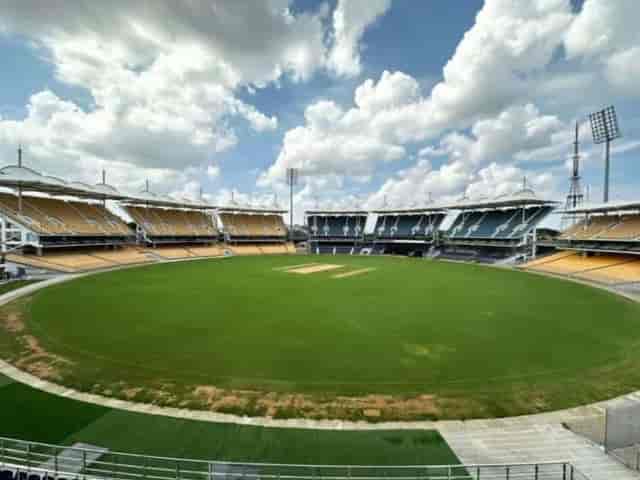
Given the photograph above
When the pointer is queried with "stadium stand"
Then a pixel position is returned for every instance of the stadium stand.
(497, 224)
(496, 230)
(334, 231)
(206, 251)
(624, 272)
(123, 256)
(602, 268)
(275, 249)
(407, 225)
(244, 249)
(336, 225)
(253, 225)
(51, 216)
(610, 227)
(590, 228)
(73, 260)
(168, 225)
(171, 253)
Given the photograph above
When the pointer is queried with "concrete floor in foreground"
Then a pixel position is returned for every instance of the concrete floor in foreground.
(537, 443)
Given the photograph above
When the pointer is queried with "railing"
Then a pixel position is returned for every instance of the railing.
(74, 463)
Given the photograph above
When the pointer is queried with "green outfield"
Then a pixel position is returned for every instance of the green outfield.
(340, 337)
(29, 414)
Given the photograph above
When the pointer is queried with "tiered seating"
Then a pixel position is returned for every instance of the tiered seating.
(37, 262)
(125, 256)
(291, 248)
(254, 225)
(547, 259)
(337, 226)
(245, 250)
(160, 222)
(50, 216)
(622, 273)
(626, 228)
(209, 251)
(103, 218)
(172, 253)
(407, 226)
(588, 229)
(463, 223)
(604, 268)
(78, 261)
(497, 224)
(274, 249)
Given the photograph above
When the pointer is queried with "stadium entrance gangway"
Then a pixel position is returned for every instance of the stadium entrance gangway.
(32, 460)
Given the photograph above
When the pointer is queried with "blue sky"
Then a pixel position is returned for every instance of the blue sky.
(374, 100)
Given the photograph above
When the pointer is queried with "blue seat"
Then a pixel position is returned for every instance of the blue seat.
(6, 475)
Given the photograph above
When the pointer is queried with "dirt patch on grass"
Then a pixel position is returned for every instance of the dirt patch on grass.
(39, 362)
(14, 323)
(27, 353)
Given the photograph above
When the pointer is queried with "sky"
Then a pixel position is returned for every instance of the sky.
(377, 102)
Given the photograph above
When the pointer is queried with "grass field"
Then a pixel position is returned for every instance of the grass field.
(405, 339)
(30, 414)
(13, 285)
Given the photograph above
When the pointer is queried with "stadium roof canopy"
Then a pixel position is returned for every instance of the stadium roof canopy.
(256, 210)
(27, 179)
(409, 211)
(24, 178)
(152, 199)
(523, 198)
(620, 206)
(336, 212)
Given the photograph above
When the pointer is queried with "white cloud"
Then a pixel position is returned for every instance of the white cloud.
(163, 77)
(350, 19)
(605, 34)
(489, 71)
(480, 163)
(483, 111)
(213, 171)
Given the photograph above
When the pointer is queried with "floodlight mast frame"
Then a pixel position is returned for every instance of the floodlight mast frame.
(292, 181)
(604, 128)
(575, 196)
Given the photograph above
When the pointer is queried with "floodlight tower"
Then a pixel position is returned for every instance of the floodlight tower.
(292, 181)
(604, 128)
(575, 197)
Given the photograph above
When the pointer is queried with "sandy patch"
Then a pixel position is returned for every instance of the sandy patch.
(315, 268)
(37, 361)
(353, 272)
(14, 322)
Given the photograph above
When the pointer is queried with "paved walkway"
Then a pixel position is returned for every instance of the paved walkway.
(537, 443)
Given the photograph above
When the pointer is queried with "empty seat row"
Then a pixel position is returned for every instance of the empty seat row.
(497, 224)
(161, 222)
(605, 227)
(52, 216)
(603, 268)
(336, 226)
(407, 226)
(253, 225)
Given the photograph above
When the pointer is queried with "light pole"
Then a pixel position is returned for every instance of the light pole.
(292, 181)
(604, 127)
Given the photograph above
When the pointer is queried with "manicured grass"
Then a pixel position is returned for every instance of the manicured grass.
(479, 341)
(31, 414)
(14, 285)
